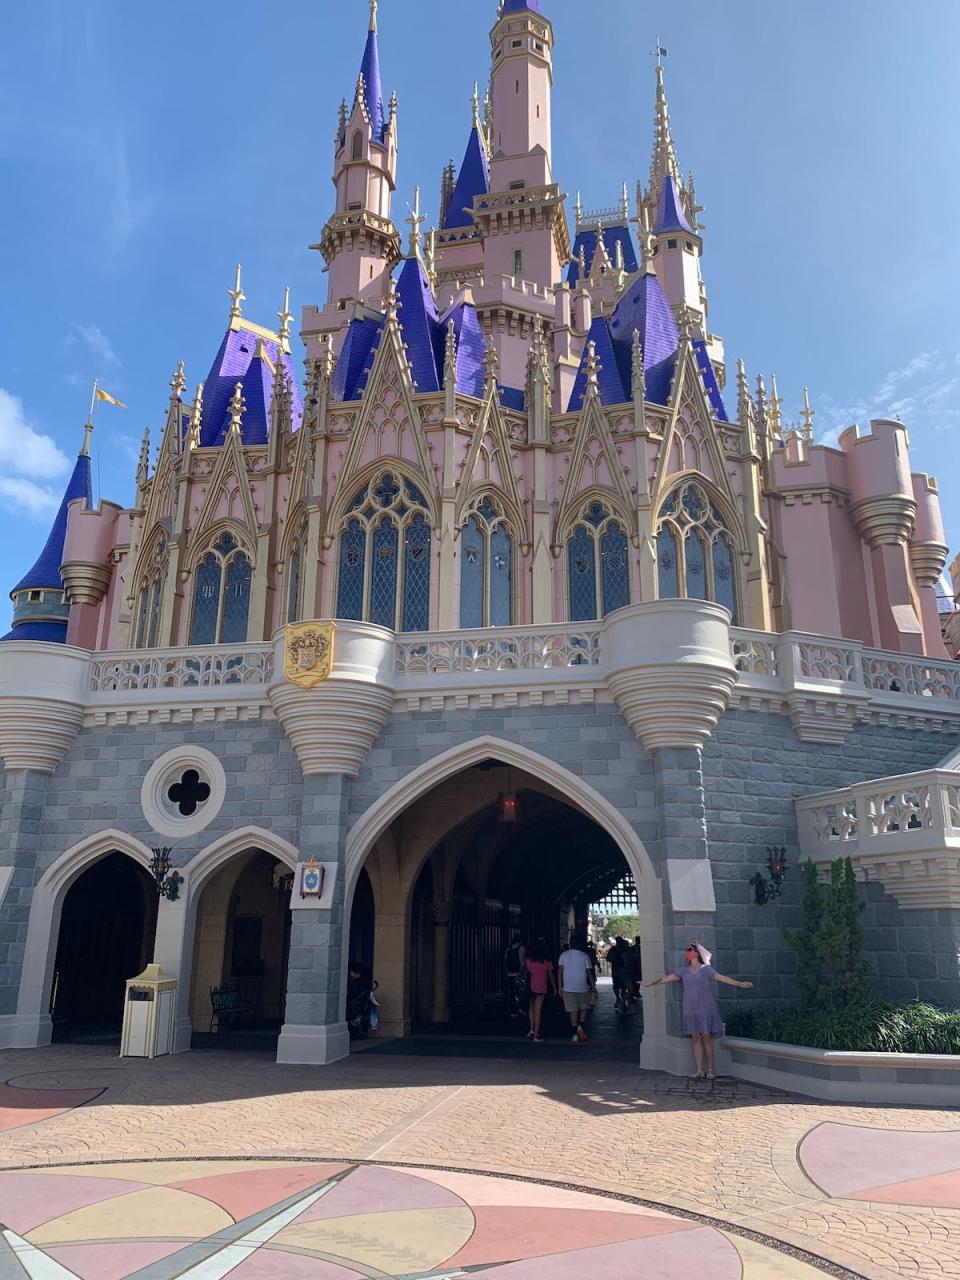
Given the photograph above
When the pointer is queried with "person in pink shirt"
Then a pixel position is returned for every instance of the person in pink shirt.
(540, 972)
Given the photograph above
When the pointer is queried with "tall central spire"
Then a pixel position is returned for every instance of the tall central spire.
(664, 163)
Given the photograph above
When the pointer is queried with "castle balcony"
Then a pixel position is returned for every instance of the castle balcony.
(902, 832)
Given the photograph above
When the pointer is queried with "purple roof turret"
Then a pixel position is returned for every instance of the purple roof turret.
(612, 236)
(40, 611)
(644, 307)
(372, 83)
(473, 180)
(670, 211)
(248, 354)
(419, 321)
(609, 379)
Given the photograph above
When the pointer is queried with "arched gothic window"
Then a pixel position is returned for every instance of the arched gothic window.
(486, 568)
(695, 550)
(356, 147)
(385, 556)
(598, 565)
(295, 570)
(221, 596)
(150, 597)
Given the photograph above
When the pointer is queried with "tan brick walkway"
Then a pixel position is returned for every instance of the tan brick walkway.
(603, 1126)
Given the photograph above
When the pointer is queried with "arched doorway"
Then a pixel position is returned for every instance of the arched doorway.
(241, 945)
(107, 927)
(451, 880)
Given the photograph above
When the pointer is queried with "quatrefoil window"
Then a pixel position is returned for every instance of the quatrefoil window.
(189, 793)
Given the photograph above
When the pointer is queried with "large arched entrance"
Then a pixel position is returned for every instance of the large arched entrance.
(486, 841)
(107, 926)
(241, 945)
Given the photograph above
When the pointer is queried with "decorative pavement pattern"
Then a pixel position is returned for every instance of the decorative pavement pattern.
(256, 1221)
(216, 1165)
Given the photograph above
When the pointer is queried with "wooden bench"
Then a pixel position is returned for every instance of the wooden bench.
(226, 1004)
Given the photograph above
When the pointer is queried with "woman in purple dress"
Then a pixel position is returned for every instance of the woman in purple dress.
(701, 1017)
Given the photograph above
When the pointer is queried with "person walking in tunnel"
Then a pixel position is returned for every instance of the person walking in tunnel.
(700, 1015)
(513, 965)
(541, 979)
(578, 985)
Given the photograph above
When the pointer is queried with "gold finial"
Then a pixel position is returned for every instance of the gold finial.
(393, 300)
(450, 356)
(196, 416)
(415, 222)
(236, 296)
(237, 407)
(374, 4)
(808, 416)
(639, 374)
(476, 105)
(87, 433)
(177, 382)
(592, 367)
(775, 404)
(490, 365)
(285, 315)
(143, 465)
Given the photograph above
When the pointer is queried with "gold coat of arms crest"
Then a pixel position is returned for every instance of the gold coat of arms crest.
(308, 657)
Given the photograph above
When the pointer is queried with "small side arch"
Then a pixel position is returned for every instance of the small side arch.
(208, 861)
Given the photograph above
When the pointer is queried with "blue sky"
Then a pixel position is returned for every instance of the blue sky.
(145, 149)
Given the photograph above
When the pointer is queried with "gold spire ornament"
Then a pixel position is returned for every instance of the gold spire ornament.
(374, 5)
(415, 222)
(236, 296)
(808, 416)
(285, 315)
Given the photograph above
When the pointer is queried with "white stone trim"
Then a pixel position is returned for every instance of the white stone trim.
(656, 1052)
(6, 875)
(32, 1024)
(217, 854)
(164, 772)
(313, 1045)
(691, 884)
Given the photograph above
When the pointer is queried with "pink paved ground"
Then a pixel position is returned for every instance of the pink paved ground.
(873, 1189)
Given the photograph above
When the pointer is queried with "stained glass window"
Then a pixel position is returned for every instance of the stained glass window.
(615, 568)
(723, 576)
(236, 602)
(501, 577)
(353, 548)
(206, 601)
(154, 621)
(472, 571)
(293, 590)
(416, 576)
(383, 574)
(695, 556)
(667, 569)
(582, 574)
(142, 618)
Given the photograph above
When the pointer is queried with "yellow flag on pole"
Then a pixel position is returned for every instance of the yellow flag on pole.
(105, 395)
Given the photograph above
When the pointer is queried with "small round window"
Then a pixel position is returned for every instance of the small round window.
(183, 791)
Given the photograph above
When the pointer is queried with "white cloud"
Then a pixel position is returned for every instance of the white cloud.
(30, 462)
(96, 342)
(924, 394)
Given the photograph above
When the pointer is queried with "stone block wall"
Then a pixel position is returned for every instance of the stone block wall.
(754, 767)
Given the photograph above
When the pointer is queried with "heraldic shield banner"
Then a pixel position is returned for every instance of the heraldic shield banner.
(308, 652)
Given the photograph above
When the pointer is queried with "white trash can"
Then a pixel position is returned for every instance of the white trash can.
(148, 1013)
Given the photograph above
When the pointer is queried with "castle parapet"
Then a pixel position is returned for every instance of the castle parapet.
(883, 506)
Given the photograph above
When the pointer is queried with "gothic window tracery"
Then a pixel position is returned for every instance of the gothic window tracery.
(150, 598)
(384, 558)
(598, 565)
(695, 550)
(296, 557)
(221, 596)
(486, 568)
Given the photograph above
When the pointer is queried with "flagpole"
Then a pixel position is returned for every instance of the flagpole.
(93, 401)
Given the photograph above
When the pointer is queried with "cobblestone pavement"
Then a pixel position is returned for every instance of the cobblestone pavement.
(860, 1192)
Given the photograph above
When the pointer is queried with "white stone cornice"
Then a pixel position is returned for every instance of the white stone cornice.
(85, 583)
(332, 726)
(42, 691)
(670, 669)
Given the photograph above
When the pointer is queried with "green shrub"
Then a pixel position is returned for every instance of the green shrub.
(867, 1027)
(831, 969)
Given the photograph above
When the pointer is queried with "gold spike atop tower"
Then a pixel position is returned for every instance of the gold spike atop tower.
(663, 165)
(236, 296)
(87, 433)
(415, 222)
(177, 382)
(374, 5)
(285, 315)
(808, 416)
(237, 407)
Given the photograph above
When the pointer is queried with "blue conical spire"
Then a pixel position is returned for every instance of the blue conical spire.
(46, 619)
(517, 6)
(370, 70)
(473, 180)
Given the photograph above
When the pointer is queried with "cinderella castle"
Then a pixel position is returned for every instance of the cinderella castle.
(521, 599)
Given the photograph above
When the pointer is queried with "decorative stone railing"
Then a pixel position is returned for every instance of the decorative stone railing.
(903, 831)
(202, 667)
(442, 653)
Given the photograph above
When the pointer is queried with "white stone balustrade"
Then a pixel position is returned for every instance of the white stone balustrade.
(902, 831)
(203, 667)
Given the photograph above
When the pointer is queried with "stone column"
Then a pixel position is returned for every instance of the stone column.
(442, 916)
(331, 727)
(42, 691)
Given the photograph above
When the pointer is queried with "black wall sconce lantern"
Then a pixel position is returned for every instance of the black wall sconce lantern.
(168, 882)
(765, 890)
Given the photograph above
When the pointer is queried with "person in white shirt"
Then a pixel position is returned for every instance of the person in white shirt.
(578, 985)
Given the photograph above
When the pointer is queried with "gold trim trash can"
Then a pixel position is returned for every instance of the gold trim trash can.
(148, 1013)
